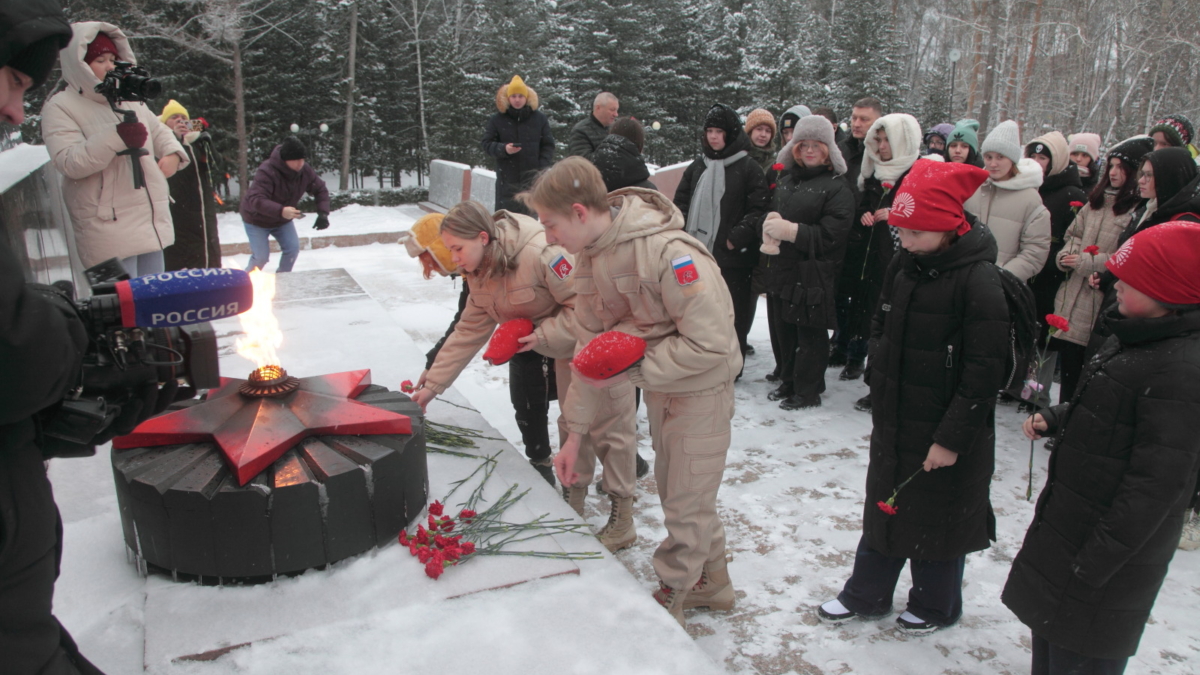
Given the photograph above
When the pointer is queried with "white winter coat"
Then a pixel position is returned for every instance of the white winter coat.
(110, 218)
(1012, 209)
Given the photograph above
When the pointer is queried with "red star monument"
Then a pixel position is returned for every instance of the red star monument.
(254, 432)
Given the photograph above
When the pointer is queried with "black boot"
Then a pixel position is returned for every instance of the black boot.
(643, 467)
(773, 376)
(783, 391)
(798, 402)
(837, 358)
(853, 370)
(863, 404)
(546, 468)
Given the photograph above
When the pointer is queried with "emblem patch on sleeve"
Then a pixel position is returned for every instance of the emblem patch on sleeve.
(685, 270)
(561, 266)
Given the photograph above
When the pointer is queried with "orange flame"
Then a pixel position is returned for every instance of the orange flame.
(261, 334)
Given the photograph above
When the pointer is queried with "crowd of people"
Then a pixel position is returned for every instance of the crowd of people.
(906, 258)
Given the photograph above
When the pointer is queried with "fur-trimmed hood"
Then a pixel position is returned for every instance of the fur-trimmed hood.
(1029, 175)
(502, 98)
(77, 73)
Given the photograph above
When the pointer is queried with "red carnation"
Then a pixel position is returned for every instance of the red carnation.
(466, 514)
(1058, 322)
(772, 186)
(504, 343)
(1077, 205)
(434, 568)
(468, 547)
(886, 508)
(436, 508)
(407, 387)
(1093, 249)
(404, 537)
(777, 166)
(887, 186)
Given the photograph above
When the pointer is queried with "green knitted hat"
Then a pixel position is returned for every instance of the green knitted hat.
(966, 131)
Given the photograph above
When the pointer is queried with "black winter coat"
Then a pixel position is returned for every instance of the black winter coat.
(585, 138)
(868, 253)
(1121, 476)
(194, 210)
(853, 150)
(1057, 192)
(514, 173)
(621, 164)
(743, 205)
(804, 274)
(940, 341)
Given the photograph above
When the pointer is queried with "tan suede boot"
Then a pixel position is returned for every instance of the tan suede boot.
(672, 599)
(619, 533)
(714, 590)
(575, 497)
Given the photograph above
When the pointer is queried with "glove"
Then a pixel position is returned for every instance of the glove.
(133, 134)
(503, 345)
(322, 222)
(770, 245)
(780, 229)
(609, 354)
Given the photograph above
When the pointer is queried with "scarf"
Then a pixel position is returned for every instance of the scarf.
(904, 135)
(704, 214)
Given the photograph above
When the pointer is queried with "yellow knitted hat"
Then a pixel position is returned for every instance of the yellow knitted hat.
(172, 108)
(425, 236)
(517, 86)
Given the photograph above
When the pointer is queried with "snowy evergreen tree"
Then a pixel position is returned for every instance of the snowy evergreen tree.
(866, 56)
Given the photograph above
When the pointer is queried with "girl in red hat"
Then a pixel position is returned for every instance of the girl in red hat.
(939, 344)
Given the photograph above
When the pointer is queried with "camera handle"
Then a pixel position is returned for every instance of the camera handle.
(135, 154)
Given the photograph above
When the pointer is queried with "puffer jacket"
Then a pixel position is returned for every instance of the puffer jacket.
(941, 341)
(621, 164)
(646, 277)
(528, 127)
(585, 138)
(1076, 299)
(1120, 479)
(540, 289)
(194, 209)
(1013, 211)
(277, 185)
(110, 218)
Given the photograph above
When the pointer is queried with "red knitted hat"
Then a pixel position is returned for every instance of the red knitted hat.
(100, 46)
(1163, 262)
(931, 197)
(609, 354)
(503, 345)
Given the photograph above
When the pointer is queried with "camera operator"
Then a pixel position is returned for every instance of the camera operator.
(42, 343)
(101, 156)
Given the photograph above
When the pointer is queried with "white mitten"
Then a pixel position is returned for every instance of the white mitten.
(780, 229)
(770, 245)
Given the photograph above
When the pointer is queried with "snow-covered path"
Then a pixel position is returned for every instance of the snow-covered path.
(792, 503)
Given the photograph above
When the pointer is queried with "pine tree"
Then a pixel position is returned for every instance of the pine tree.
(866, 55)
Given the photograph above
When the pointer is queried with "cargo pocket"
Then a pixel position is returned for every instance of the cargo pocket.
(643, 307)
(705, 457)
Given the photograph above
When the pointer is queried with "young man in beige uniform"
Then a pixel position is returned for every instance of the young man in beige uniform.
(638, 272)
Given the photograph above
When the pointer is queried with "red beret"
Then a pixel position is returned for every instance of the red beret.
(609, 354)
(503, 345)
(931, 197)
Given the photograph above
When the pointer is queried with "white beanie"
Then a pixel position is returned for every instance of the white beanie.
(1004, 139)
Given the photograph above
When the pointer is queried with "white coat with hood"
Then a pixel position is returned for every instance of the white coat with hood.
(110, 218)
(1012, 209)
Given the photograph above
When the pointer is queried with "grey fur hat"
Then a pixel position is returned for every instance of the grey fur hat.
(814, 128)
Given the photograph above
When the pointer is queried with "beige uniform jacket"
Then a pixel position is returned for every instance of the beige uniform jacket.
(646, 277)
(1013, 211)
(110, 218)
(540, 289)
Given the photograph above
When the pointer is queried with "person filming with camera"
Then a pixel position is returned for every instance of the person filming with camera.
(104, 140)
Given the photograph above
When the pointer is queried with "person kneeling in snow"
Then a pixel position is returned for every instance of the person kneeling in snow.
(637, 272)
(1123, 469)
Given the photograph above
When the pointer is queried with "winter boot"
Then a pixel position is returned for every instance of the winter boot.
(837, 357)
(619, 533)
(1189, 539)
(853, 370)
(575, 497)
(672, 600)
(798, 402)
(546, 468)
(643, 467)
(714, 590)
(863, 404)
(781, 392)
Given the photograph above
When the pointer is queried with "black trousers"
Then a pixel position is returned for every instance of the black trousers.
(804, 353)
(31, 639)
(936, 594)
(741, 290)
(1070, 363)
(1051, 660)
(531, 385)
(773, 320)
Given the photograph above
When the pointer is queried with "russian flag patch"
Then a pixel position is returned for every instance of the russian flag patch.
(561, 266)
(685, 270)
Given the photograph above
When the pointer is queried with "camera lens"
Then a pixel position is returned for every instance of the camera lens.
(146, 87)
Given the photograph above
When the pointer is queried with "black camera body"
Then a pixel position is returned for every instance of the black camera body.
(128, 82)
(121, 366)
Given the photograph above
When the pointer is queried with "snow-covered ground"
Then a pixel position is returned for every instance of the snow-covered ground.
(792, 504)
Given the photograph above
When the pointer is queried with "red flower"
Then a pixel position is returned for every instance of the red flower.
(1077, 205)
(404, 537)
(436, 509)
(468, 547)
(887, 186)
(434, 568)
(466, 514)
(1093, 249)
(886, 508)
(772, 186)
(1058, 322)
(777, 166)
(407, 387)
(447, 524)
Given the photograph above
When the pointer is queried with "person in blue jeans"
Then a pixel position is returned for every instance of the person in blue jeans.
(269, 207)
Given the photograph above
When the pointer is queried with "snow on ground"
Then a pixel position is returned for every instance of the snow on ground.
(791, 501)
(351, 219)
